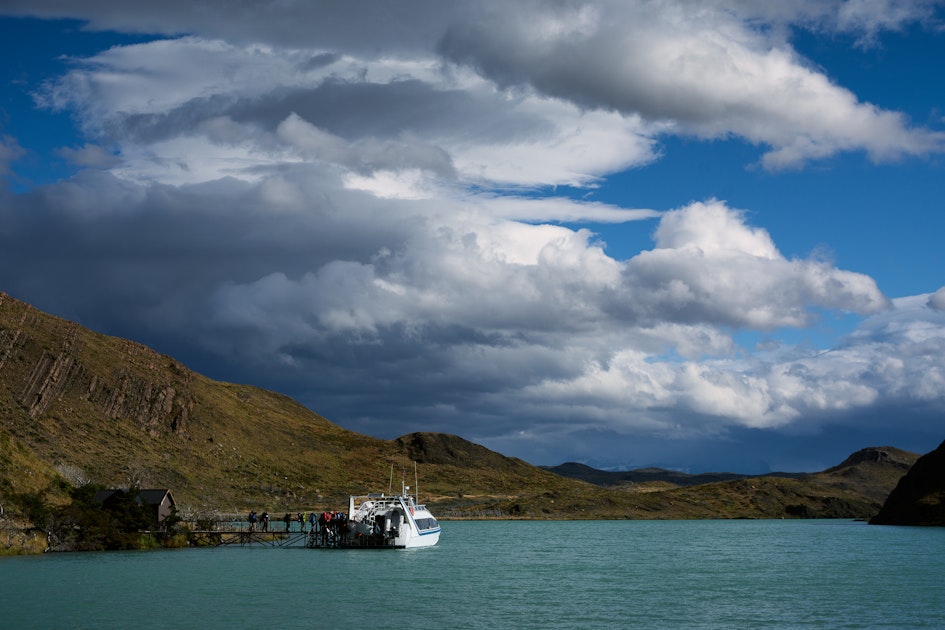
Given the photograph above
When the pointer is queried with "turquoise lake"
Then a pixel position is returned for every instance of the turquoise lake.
(502, 574)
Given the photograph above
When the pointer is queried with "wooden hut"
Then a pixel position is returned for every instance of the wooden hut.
(159, 500)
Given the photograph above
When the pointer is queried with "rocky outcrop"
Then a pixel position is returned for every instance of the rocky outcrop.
(919, 499)
(45, 360)
(886, 455)
(156, 407)
(19, 537)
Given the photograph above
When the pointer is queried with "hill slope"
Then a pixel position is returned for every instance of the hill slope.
(86, 407)
(919, 498)
(95, 408)
(854, 488)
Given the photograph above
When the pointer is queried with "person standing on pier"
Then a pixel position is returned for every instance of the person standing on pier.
(287, 519)
(323, 521)
(301, 518)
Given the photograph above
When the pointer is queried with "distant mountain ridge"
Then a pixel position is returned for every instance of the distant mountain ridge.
(86, 407)
(857, 465)
(606, 478)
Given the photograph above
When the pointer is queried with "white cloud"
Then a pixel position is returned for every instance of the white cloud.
(894, 361)
(704, 71)
(709, 266)
(715, 230)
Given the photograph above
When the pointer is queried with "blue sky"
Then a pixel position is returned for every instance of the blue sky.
(629, 234)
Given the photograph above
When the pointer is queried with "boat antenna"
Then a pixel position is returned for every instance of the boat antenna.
(416, 485)
(390, 484)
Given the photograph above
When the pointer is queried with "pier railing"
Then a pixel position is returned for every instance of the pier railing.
(243, 533)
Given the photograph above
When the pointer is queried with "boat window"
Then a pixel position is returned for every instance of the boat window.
(426, 523)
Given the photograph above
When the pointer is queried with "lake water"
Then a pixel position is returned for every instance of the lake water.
(501, 574)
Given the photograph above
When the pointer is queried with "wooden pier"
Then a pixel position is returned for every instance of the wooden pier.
(243, 537)
(235, 533)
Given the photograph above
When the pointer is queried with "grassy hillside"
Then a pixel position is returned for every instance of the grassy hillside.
(85, 407)
(100, 409)
(856, 487)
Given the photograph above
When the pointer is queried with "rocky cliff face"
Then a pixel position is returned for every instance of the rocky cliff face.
(919, 499)
(45, 360)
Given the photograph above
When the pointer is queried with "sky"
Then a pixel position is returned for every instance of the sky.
(697, 235)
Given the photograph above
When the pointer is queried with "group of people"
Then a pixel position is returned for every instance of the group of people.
(331, 524)
(253, 519)
(326, 523)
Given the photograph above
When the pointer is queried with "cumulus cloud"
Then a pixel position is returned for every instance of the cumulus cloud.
(709, 266)
(893, 362)
(528, 317)
(703, 71)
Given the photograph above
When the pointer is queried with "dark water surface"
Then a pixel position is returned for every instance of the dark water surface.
(500, 574)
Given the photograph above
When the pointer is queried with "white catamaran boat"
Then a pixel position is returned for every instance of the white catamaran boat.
(398, 521)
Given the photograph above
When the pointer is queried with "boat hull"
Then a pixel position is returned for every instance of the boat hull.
(395, 522)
